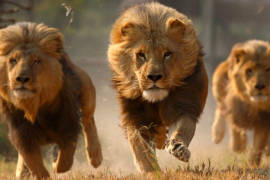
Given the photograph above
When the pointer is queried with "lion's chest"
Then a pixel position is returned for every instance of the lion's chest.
(58, 127)
(245, 116)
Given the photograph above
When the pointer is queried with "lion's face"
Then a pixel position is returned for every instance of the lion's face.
(149, 59)
(30, 72)
(251, 75)
(154, 66)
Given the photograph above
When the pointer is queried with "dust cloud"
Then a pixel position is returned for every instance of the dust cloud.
(116, 152)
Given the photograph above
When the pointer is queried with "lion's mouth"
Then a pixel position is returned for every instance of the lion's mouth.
(23, 92)
(154, 88)
(258, 98)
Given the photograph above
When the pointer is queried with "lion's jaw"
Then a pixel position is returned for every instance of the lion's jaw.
(155, 94)
(259, 98)
(23, 93)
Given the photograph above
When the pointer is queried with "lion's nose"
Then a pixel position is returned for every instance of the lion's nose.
(260, 86)
(23, 79)
(154, 77)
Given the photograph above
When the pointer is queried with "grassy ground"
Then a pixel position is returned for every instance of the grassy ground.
(201, 171)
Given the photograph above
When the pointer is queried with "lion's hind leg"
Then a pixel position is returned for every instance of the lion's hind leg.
(219, 125)
(92, 144)
(65, 156)
(144, 155)
(87, 106)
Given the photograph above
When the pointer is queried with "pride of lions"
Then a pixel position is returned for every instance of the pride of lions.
(159, 75)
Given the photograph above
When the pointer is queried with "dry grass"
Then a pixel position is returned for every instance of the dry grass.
(202, 171)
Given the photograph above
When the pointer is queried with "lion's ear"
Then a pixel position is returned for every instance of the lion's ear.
(128, 31)
(52, 42)
(7, 41)
(237, 53)
(131, 31)
(175, 28)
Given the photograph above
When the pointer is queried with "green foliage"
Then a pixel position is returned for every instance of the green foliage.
(6, 167)
(89, 32)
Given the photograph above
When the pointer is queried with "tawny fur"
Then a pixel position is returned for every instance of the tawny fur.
(44, 98)
(241, 87)
(159, 75)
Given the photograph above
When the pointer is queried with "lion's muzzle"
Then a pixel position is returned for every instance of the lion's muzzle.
(23, 93)
(155, 94)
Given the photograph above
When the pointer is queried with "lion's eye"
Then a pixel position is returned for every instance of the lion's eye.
(141, 55)
(167, 55)
(13, 61)
(36, 61)
(249, 71)
(237, 59)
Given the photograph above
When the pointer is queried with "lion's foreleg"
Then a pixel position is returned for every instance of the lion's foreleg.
(92, 144)
(219, 125)
(267, 148)
(34, 163)
(180, 135)
(65, 157)
(238, 139)
(144, 155)
(21, 169)
(259, 143)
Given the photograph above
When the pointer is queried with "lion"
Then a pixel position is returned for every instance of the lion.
(44, 98)
(161, 82)
(241, 87)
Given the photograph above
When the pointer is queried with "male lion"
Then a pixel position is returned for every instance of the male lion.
(43, 98)
(241, 86)
(160, 78)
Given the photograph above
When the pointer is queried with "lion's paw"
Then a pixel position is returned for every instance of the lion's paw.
(179, 150)
(94, 155)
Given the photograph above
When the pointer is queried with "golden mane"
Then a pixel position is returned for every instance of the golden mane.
(50, 40)
(152, 18)
(255, 46)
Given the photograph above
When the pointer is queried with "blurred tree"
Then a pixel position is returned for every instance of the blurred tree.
(9, 7)
(91, 22)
